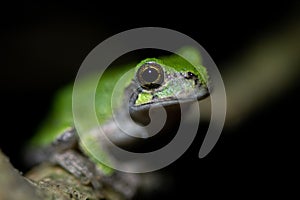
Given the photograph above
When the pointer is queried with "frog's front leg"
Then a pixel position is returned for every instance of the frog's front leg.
(65, 153)
(78, 165)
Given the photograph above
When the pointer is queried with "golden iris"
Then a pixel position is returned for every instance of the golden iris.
(150, 75)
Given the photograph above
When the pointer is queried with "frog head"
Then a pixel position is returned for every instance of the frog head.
(167, 82)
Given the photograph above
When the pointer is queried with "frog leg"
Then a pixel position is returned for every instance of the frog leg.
(67, 140)
(78, 165)
(126, 184)
(66, 153)
(35, 155)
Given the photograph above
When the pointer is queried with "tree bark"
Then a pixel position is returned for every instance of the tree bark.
(47, 182)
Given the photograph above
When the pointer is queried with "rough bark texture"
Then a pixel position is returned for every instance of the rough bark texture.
(12, 184)
(46, 182)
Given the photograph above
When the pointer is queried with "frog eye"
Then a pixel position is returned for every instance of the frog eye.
(150, 75)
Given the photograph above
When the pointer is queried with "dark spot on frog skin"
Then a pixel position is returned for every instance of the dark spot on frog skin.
(190, 75)
(154, 97)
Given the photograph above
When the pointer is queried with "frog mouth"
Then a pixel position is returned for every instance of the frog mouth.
(165, 102)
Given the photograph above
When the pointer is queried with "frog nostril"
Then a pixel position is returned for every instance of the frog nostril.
(190, 75)
(154, 97)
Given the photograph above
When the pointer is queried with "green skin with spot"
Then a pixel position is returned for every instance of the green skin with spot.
(182, 81)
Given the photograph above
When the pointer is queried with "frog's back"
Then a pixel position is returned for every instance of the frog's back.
(60, 118)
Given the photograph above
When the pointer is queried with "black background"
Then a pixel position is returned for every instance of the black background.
(43, 45)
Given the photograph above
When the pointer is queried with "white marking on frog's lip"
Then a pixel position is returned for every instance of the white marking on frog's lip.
(168, 102)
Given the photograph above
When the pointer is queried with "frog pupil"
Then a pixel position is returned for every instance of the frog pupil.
(150, 75)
